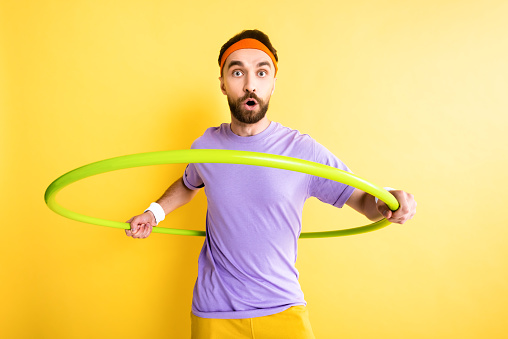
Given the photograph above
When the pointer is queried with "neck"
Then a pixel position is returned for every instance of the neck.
(248, 130)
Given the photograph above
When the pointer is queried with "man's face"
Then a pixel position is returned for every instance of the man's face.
(248, 81)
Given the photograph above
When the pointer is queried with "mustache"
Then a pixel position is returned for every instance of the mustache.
(251, 95)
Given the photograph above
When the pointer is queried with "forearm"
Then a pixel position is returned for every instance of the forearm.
(369, 208)
(176, 196)
(365, 204)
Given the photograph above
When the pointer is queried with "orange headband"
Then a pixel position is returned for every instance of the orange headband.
(247, 44)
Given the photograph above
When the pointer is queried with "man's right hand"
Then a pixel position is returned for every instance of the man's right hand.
(141, 225)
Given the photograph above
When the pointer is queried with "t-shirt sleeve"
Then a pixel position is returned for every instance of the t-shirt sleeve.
(191, 178)
(326, 190)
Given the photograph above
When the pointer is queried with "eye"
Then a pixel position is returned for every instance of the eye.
(237, 73)
(262, 74)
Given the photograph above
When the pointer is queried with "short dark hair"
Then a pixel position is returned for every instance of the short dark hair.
(249, 34)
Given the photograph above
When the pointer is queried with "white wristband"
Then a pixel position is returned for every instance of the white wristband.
(386, 188)
(157, 211)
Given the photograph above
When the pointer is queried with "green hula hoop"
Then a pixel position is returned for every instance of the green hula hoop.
(215, 156)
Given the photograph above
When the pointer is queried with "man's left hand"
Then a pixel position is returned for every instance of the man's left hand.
(406, 210)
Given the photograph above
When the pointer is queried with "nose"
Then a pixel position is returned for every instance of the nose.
(250, 84)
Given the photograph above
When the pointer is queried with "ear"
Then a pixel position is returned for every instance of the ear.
(222, 85)
(273, 90)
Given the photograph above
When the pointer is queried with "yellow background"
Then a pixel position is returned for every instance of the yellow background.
(409, 94)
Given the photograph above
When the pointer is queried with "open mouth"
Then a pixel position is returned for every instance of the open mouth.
(250, 104)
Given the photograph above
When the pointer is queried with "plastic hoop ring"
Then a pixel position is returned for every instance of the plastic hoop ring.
(215, 156)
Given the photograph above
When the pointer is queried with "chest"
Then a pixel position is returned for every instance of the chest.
(253, 184)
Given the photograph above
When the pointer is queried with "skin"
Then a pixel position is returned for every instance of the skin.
(246, 72)
(175, 196)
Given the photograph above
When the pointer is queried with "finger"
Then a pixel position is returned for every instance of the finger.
(403, 209)
(383, 208)
(134, 226)
(413, 213)
(407, 206)
(139, 231)
(142, 233)
(401, 218)
(127, 230)
(147, 230)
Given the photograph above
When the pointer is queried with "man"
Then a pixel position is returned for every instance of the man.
(247, 284)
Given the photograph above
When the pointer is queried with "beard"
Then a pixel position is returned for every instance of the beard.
(245, 116)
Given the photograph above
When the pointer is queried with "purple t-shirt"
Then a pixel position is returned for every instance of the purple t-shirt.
(246, 267)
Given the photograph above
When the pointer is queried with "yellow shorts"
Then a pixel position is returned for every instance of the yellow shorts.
(293, 323)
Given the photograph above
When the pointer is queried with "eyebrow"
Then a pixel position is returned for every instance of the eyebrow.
(264, 63)
(239, 63)
(235, 63)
